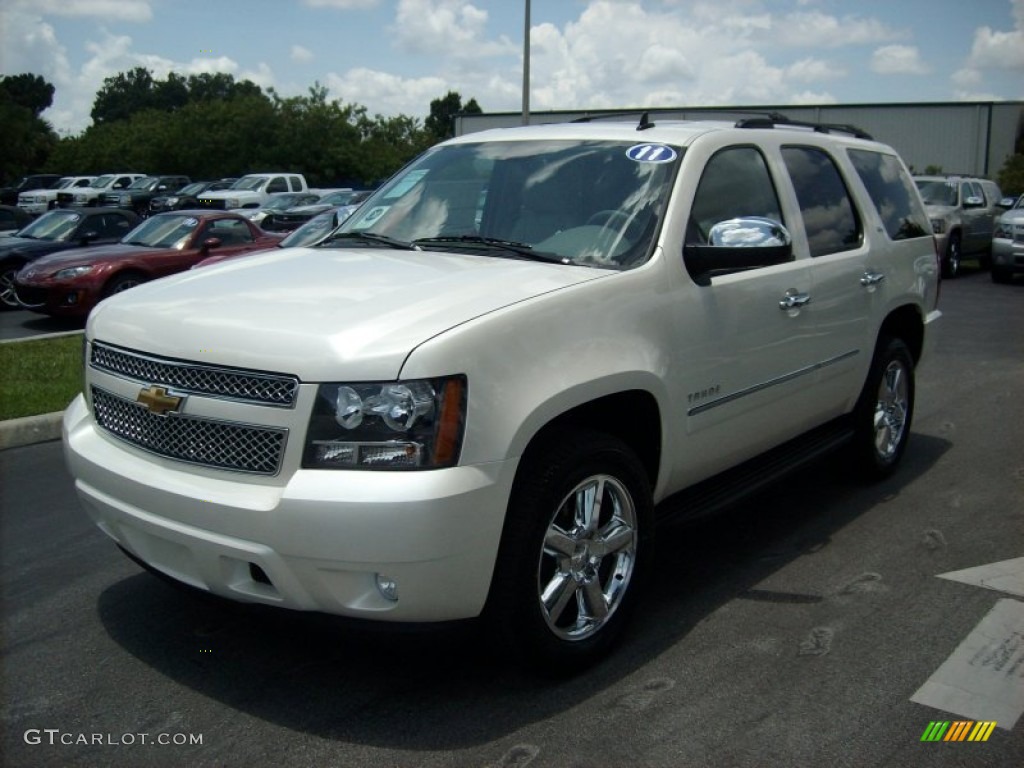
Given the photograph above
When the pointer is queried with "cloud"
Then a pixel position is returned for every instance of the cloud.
(814, 70)
(820, 30)
(342, 5)
(446, 28)
(300, 53)
(122, 10)
(898, 60)
(997, 50)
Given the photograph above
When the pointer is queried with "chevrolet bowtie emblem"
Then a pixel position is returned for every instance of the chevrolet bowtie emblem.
(158, 401)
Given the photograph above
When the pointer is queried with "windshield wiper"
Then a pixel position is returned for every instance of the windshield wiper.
(520, 249)
(373, 237)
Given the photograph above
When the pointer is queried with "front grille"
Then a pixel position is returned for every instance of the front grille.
(215, 204)
(206, 442)
(195, 378)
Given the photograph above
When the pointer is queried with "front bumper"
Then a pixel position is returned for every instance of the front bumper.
(322, 541)
(1008, 255)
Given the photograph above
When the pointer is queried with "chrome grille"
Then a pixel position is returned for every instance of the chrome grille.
(195, 378)
(207, 442)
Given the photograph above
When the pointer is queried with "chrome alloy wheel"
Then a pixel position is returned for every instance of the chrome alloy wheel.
(588, 557)
(891, 409)
(8, 296)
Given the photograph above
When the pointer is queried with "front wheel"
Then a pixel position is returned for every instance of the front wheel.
(885, 409)
(577, 542)
(122, 283)
(951, 264)
(8, 296)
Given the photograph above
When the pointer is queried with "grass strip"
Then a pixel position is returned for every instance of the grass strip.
(39, 376)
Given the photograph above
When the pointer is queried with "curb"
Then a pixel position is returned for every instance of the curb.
(39, 336)
(29, 430)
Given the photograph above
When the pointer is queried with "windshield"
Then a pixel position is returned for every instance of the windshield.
(147, 183)
(193, 189)
(595, 203)
(103, 181)
(163, 231)
(940, 192)
(337, 198)
(284, 200)
(250, 182)
(53, 225)
(314, 230)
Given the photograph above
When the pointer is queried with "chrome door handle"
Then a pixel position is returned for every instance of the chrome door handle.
(871, 278)
(794, 300)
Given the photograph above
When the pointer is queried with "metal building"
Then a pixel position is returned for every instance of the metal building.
(969, 138)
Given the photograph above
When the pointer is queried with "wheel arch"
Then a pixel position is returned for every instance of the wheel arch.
(640, 429)
(906, 323)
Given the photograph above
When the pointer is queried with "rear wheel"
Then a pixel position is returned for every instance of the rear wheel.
(885, 409)
(577, 542)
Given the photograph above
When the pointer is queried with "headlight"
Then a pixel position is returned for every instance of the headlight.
(173, 200)
(1002, 232)
(81, 198)
(125, 200)
(387, 425)
(67, 274)
(232, 202)
(938, 226)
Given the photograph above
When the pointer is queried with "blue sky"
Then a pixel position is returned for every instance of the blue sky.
(395, 56)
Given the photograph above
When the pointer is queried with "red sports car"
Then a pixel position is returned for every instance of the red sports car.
(73, 282)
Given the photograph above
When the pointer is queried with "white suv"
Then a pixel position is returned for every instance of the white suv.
(478, 396)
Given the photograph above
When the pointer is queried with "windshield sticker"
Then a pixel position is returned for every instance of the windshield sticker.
(190, 222)
(372, 216)
(651, 153)
(410, 181)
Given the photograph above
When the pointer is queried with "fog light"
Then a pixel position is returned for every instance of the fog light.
(387, 587)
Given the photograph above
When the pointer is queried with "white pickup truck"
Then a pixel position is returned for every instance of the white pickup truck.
(86, 197)
(253, 190)
(479, 395)
(39, 201)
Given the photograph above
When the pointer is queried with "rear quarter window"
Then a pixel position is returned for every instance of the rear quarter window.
(893, 194)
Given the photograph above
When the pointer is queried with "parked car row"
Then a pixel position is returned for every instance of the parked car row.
(963, 212)
(1008, 244)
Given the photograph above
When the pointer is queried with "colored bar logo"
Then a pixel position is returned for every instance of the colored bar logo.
(959, 730)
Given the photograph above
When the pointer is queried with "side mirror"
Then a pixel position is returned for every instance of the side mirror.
(974, 202)
(210, 243)
(736, 245)
(89, 236)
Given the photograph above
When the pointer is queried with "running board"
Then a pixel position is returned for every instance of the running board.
(729, 487)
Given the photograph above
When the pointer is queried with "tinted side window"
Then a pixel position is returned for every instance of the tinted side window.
(892, 193)
(735, 182)
(277, 184)
(830, 219)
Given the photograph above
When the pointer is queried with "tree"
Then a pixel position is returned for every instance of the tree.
(122, 95)
(441, 122)
(28, 139)
(29, 91)
(1011, 176)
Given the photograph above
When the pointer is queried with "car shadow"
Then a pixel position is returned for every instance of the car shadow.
(446, 688)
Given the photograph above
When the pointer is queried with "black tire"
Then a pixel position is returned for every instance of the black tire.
(1000, 275)
(885, 410)
(123, 282)
(951, 259)
(565, 582)
(8, 299)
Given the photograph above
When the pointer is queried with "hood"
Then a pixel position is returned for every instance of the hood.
(75, 256)
(312, 208)
(27, 246)
(940, 211)
(321, 314)
(1013, 216)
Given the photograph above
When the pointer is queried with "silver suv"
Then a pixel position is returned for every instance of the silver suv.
(963, 212)
(481, 393)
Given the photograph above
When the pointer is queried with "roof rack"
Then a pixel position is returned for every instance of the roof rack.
(644, 124)
(774, 119)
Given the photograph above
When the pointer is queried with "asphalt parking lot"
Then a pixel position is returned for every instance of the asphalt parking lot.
(797, 629)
